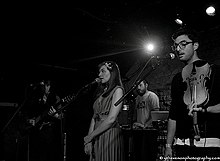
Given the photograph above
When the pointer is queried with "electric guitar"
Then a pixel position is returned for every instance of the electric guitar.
(45, 118)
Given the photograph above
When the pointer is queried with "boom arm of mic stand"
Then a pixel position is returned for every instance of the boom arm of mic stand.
(75, 97)
(138, 80)
(127, 93)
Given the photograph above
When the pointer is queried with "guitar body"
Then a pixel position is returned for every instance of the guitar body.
(45, 118)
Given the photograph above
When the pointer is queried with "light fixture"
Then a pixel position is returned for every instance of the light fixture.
(210, 11)
(178, 20)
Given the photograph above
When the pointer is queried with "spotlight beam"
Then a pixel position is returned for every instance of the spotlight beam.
(106, 55)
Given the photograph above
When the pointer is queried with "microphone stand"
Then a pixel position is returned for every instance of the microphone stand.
(63, 134)
(61, 112)
(72, 100)
(6, 126)
(137, 81)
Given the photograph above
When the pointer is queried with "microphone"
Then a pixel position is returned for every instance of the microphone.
(167, 56)
(97, 80)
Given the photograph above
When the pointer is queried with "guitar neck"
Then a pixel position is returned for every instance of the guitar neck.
(57, 106)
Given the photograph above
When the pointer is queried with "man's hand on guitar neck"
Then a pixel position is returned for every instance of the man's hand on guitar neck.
(52, 112)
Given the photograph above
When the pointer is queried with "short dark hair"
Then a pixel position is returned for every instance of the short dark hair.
(145, 81)
(192, 34)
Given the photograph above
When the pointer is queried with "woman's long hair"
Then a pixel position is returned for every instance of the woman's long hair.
(115, 79)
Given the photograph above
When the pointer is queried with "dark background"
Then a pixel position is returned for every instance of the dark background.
(65, 41)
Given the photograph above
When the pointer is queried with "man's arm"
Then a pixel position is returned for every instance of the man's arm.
(171, 130)
(214, 109)
(155, 102)
(209, 109)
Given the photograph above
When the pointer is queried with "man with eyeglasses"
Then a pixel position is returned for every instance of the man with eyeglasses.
(193, 128)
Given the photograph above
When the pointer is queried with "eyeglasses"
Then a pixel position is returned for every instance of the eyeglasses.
(181, 45)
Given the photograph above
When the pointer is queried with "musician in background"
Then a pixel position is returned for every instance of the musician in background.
(146, 101)
(181, 126)
(42, 122)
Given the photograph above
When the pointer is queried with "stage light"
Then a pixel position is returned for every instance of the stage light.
(210, 11)
(149, 47)
(179, 21)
